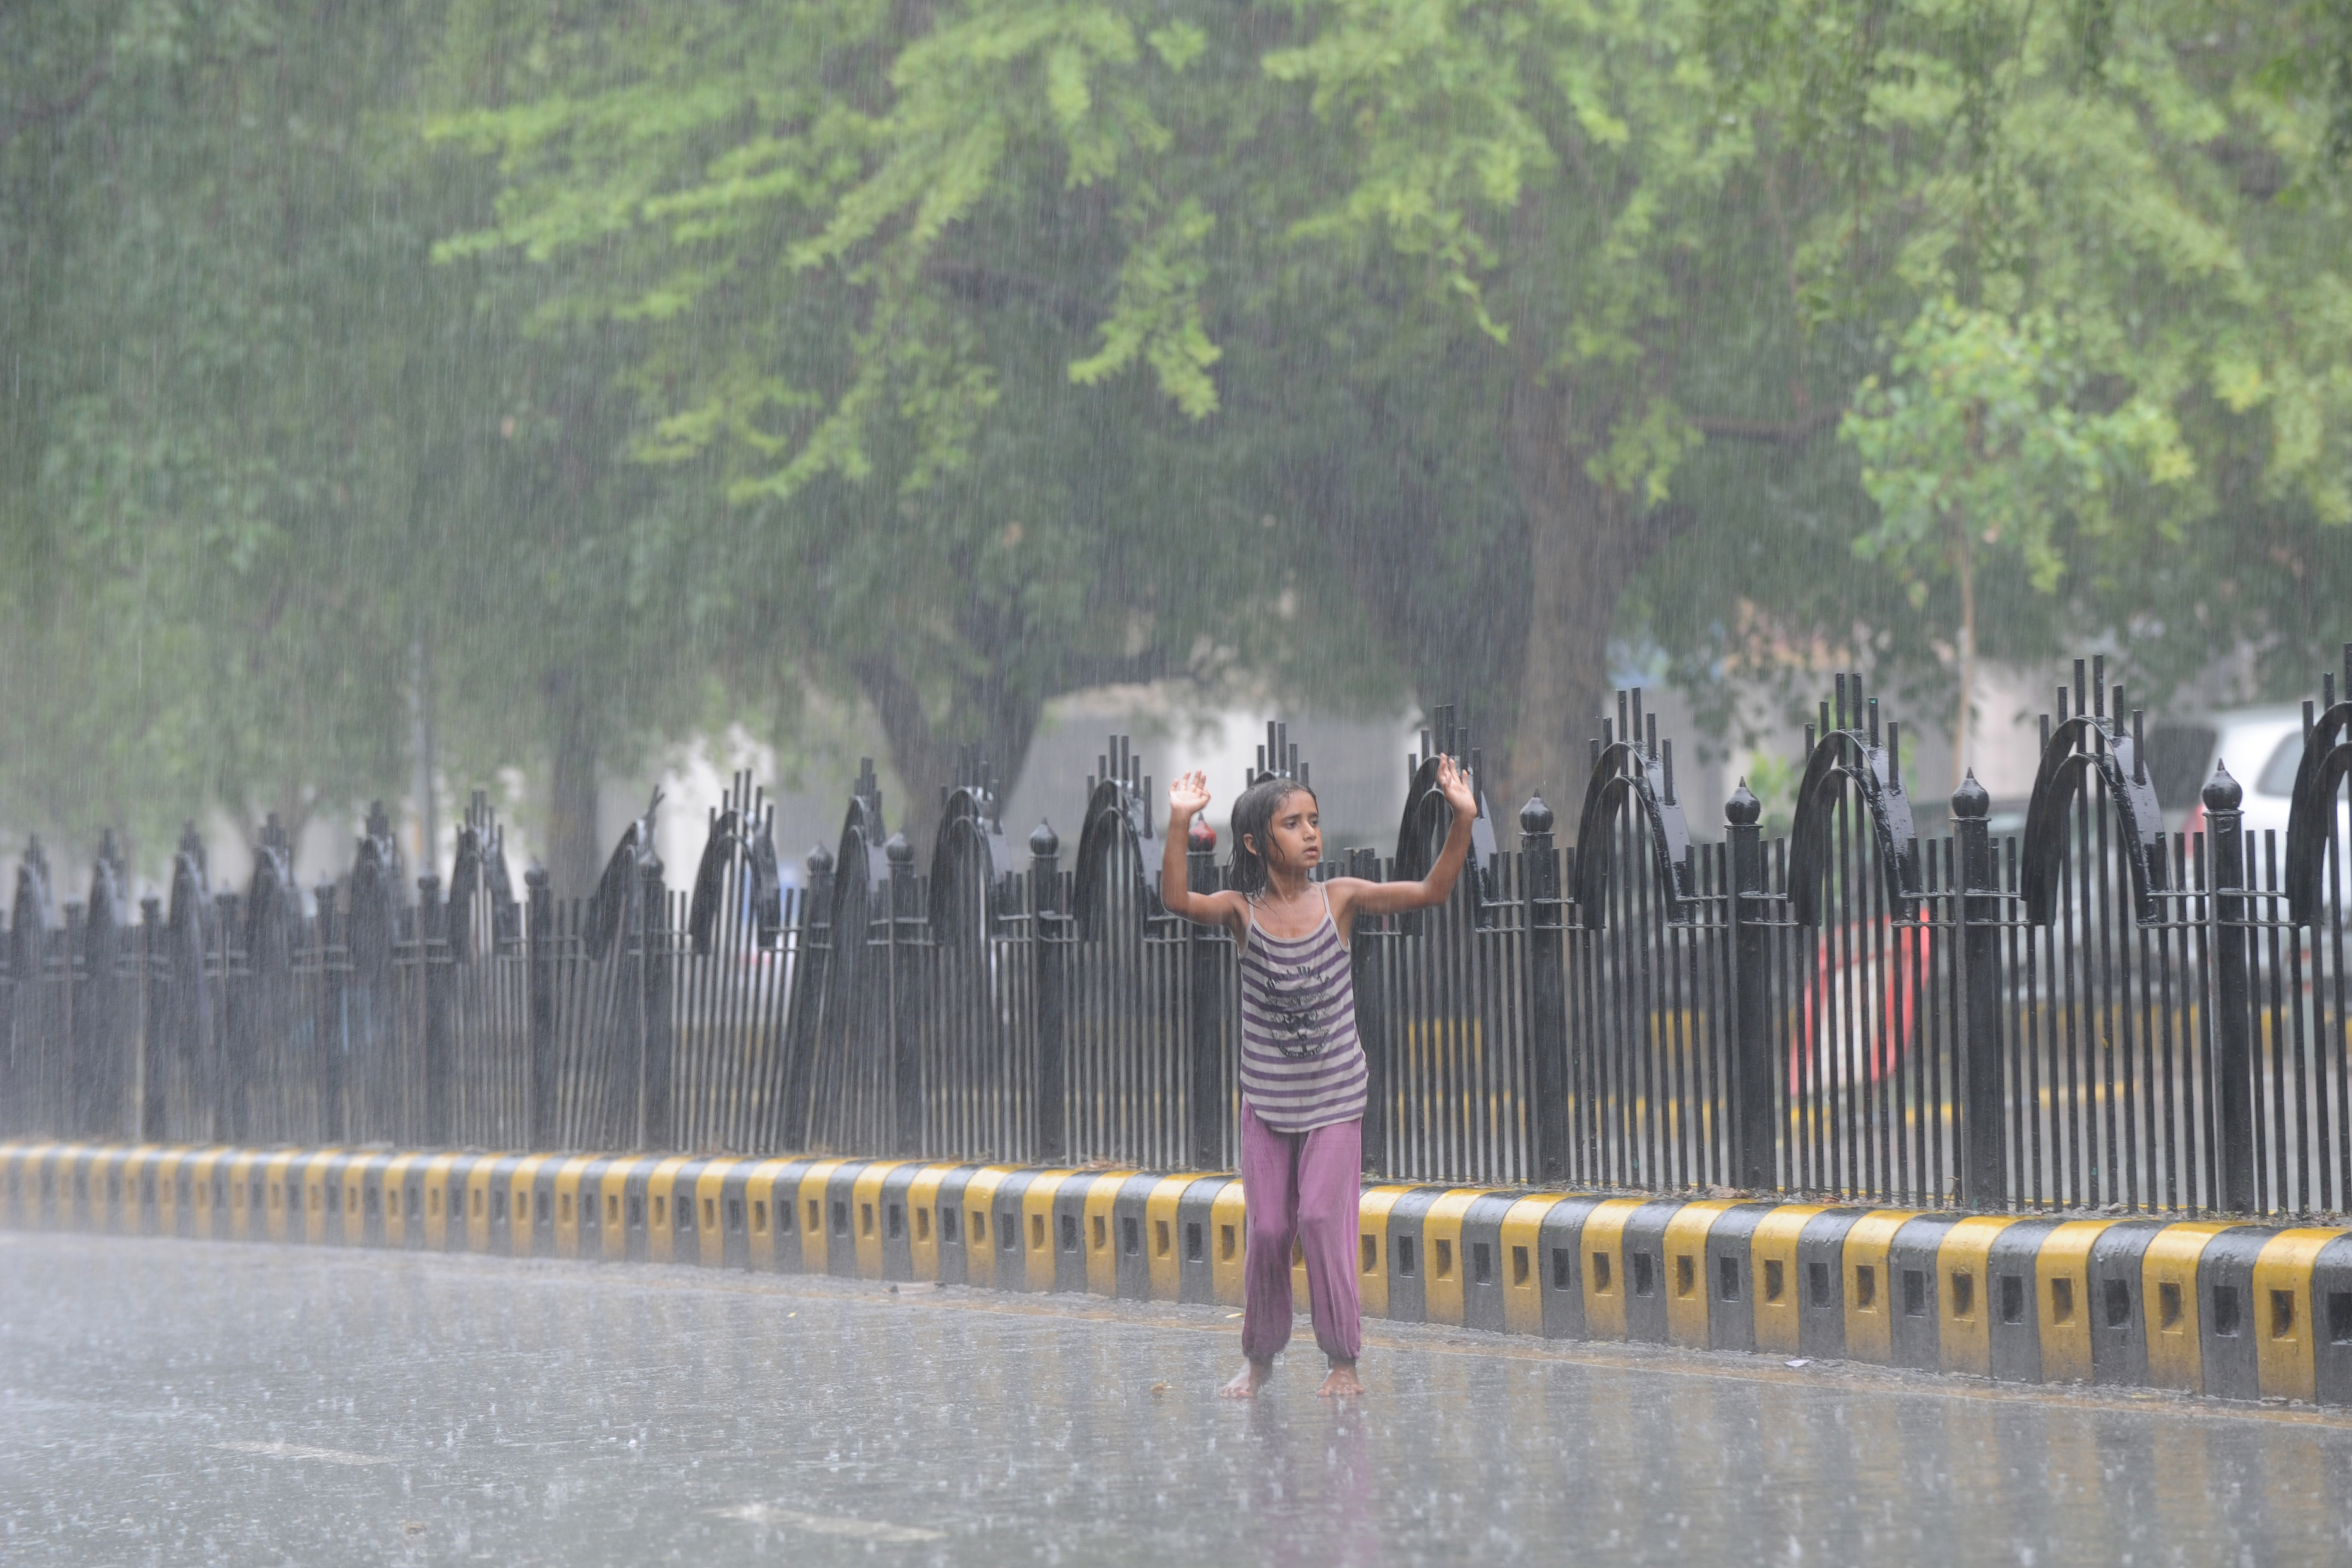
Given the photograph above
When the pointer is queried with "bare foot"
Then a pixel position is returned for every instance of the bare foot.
(1342, 1383)
(1248, 1381)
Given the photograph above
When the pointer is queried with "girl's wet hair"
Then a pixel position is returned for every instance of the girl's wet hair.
(1253, 815)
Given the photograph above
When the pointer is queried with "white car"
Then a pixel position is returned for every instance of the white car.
(2261, 747)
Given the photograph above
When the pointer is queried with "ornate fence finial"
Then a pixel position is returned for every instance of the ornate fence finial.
(1535, 818)
(1743, 809)
(2221, 792)
(1971, 801)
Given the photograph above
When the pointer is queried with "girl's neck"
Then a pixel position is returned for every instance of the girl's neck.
(1287, 887)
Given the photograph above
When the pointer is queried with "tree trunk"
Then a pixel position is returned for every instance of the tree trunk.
(1585, 544)
(575, 858)
(927, 756)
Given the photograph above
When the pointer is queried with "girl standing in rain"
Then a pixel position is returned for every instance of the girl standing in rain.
(1302, 1064)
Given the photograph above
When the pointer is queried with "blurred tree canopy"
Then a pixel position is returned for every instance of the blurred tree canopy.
(632, 361)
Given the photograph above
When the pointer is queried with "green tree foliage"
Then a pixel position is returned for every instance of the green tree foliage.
(288, 489)
(647, 359)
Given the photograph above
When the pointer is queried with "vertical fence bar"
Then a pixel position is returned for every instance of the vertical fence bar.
(1205, 1137)
(332, 1121)
(2234, 1087)
(1048, 1097)
(1547, 990)
(653, 1129)
(1754, 1061)
(154, 1005)
(1371, 945)
(539, 933)
(1983, 1173)
(432, 971)
(906, 958)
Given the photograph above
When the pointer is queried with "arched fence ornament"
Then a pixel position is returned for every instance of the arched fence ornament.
(273, 908)
(478, 872)
(187, 931)
(970, 858)
(742, 831)
(1119, 819)
(2081, 745)
(1428, 816)
(1631, 772)
(861, 868)
(2312, 813)
(1844, 750)
(376, 895)
(109, 911)
(620, 891)
(34, 911)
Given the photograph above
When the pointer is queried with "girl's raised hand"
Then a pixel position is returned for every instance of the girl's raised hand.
(1454, 783)
(1188, 793)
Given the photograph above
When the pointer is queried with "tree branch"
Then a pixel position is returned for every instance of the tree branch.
(1781, 433)
(983, 286)
(57, 107)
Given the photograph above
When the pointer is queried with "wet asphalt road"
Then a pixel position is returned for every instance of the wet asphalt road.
(175, 1402)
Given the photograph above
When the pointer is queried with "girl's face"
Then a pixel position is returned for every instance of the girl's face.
(1294, 839)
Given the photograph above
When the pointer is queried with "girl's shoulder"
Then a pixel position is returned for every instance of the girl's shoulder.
(1226, 908)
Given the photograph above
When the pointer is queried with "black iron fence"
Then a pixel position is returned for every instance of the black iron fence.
(2097, 1013)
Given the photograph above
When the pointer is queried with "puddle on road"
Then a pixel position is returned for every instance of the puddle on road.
(829, 1524)
(297, 1451)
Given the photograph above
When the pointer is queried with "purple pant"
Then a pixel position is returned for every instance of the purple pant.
(1302, 1188)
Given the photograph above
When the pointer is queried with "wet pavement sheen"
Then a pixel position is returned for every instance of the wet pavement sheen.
(178, 1402)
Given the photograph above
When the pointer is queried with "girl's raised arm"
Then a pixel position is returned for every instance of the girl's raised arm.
(1395, 898)
(1188, 796)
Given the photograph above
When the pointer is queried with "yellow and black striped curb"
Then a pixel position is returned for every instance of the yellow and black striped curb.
(2239, 1312)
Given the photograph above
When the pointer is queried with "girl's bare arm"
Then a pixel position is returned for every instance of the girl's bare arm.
(1188, 796)
(1352, 895)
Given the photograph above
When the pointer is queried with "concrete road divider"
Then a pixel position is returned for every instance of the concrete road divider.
(2204, 1306)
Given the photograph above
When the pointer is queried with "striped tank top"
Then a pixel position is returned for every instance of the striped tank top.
(1302, 1061)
